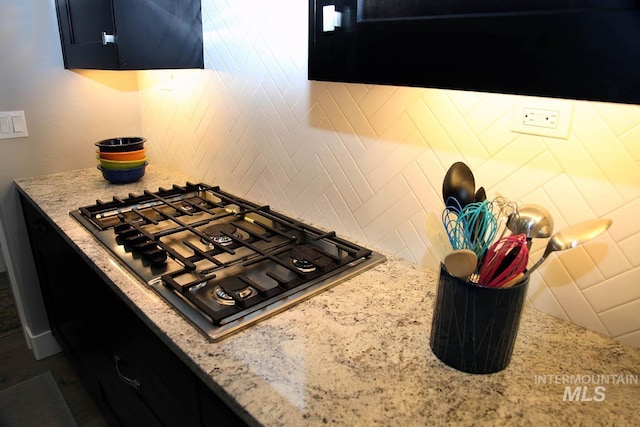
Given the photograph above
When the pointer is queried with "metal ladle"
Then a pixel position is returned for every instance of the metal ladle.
(531, 220)
(571, 237)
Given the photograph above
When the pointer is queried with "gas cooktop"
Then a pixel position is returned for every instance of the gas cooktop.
(222, 261)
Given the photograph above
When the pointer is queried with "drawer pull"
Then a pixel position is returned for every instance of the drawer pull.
(133, 383)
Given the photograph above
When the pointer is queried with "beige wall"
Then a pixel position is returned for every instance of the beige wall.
(368, 161)
(66, 112)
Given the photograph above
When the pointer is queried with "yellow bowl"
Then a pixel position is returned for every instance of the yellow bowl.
(119, 165)
(122, 156)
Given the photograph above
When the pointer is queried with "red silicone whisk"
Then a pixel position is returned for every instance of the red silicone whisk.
(504, 260)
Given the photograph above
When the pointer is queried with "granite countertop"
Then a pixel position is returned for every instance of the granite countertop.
(358, 354)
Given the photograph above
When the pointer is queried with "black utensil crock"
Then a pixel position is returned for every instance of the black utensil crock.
(474, 329)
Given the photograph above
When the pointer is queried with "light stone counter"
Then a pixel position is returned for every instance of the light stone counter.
(358, 354)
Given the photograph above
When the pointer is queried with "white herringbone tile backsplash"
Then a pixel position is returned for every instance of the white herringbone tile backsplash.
(368, 160)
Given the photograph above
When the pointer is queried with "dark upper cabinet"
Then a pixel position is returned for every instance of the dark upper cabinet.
(131, 34)
(578, 49)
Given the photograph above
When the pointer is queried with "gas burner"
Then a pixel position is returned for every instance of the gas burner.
(220, 233)
(222, 297)
(132, 218)
(305, 258)
(303, 265)
(191, 204)
(186, 207)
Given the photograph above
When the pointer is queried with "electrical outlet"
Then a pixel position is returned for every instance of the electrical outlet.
(540, 118)
(543, 117)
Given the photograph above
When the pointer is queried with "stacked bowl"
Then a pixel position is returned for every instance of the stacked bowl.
(122, 159)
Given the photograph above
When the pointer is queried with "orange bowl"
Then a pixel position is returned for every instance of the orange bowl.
(122, 156)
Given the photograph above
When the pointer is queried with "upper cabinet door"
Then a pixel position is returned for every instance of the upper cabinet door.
(578, 49)
(131, 34)
(82, 24)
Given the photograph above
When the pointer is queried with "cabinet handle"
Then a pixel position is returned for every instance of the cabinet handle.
(331, 18)
(133, 383)
(108, 38)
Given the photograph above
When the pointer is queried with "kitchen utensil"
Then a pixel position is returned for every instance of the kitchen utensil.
(128, 143)
(454, 205)
(473, 228)
(481, 226)
(450, 223)
(505, 259)
(502, 209)
(437, 236)
(532, 220)
(516, 279)
(508, 260)
(461, 263)
(459, 184)
(572, 236)
(480, 196)
(122, 176)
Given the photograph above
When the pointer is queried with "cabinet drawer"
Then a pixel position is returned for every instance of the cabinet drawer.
(121, 405)
(167, 371)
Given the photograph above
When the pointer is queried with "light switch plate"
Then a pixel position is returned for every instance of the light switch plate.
(13, 125)
(543, 117)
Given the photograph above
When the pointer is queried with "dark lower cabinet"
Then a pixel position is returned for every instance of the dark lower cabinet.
(135, 379)
(214, 412)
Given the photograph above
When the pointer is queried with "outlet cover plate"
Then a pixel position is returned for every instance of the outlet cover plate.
(543, 117)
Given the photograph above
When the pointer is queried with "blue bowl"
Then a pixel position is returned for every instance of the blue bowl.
(123, 176)
(128, 143)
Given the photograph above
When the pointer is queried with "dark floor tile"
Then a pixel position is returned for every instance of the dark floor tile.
(17, 364)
